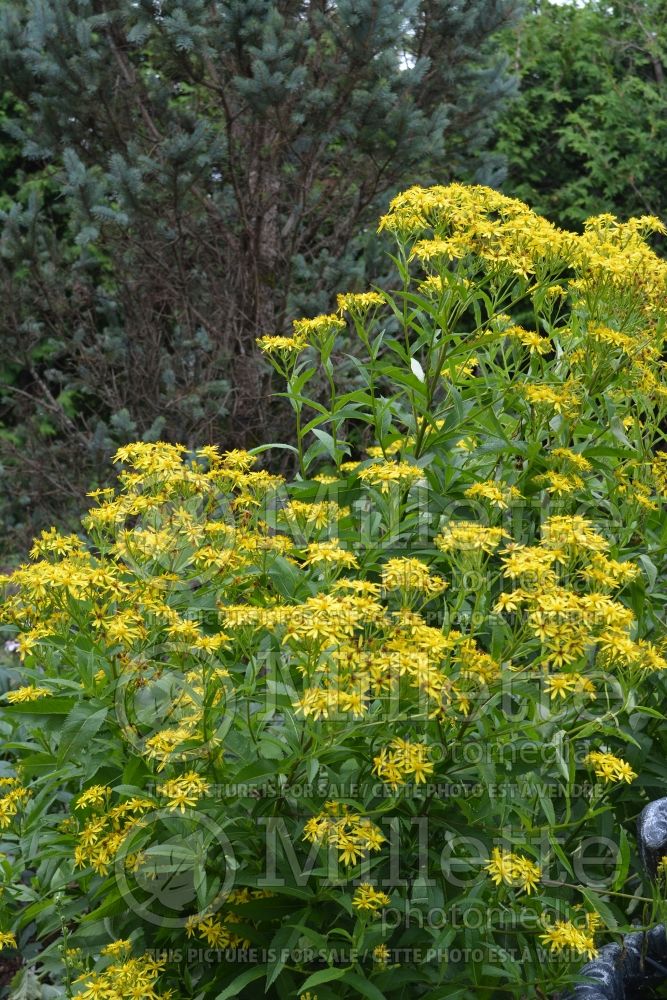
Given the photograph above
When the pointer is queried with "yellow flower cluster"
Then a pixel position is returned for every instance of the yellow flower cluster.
(573, 458)
(381, 955)
(366, 899)
(102, 835)
(402, 760)
(11, 801)
(352, 835)
(498, 493)
(566, 621)
(560, 484)
(474, 221)
(469, 536)
(359, 303)
(514, 870)
(610, 768)
(330, 553)
(218, 930)
(388, 474)
(203, 572)
(129, 979)
(411, 574)
(606, 337)
(51, 542)
(535, 342)
(564, 936)
(561, 685)
(184, 792)
(319, 514)
(462, 370)
(277, 344)
(215, 932)
(564, 399)
(28, 692)
(206, 684)
(446, 669)
(319, 327)
(95, 795)
(503, 236)
(390, 448)
(7, 940)
(616, 254)
(659, 472)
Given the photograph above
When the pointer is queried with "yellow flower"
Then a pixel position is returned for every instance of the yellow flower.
(468, 536)
(513, 870)
(351, 834)
(573, 457)
(319, 514)
(359, 303)
(509, 602)
(214, 932)
(561, 685)
(318, 328)
(400, 760)
(564, 936)
(388, 474)
(535, 343)
(329, 552)
(11, 802)
(574, 533)
(125, 979)
(116, 948)
(561, 398)
(498, 493)
(410, 574)
(275, 344)
(468, 443)
(96, 795)
(465, 369)
(366, 898)
(381, 955)
(560, 484)
(184, 791)
(609, 767)
(27, 693)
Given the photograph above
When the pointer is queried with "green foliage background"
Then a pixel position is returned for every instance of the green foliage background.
(588, 132)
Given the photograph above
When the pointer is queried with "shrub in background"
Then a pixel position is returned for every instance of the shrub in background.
(588, 130)
(381, 730)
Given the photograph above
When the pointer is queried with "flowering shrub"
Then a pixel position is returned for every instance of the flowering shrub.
(382, 730)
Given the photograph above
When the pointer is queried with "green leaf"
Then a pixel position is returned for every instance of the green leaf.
(600, 907)
(624, 865)
(45, 706)
(363, 986)
(235, 987)
(323, 976)
(79, 728)
(282, 943)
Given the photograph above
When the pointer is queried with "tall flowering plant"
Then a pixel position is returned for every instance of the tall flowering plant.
(383, 729)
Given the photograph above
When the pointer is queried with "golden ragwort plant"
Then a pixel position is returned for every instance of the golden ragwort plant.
(381, 730)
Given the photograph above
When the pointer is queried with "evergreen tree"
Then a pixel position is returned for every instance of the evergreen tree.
(209, 167)
(588, 131)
